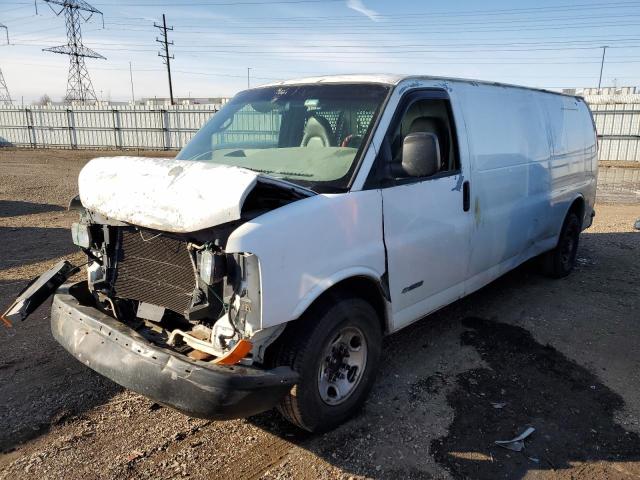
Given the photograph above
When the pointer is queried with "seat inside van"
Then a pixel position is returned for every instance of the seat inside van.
(429, 116)
(317, 133)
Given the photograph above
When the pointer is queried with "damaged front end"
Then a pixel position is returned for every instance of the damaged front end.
(165, 310)
(182, 290)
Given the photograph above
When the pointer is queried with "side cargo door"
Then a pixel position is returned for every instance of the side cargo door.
(427, 222)
(510, 200)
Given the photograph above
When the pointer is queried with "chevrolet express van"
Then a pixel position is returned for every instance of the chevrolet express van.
(307, 219)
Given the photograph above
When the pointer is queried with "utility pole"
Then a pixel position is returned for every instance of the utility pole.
(5, 98)
(248, 81)
(133, 97)
(167, 58)
(604, 51)
(79, 86)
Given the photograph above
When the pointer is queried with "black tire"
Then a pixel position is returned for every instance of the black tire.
(559, 262)
(304, 349)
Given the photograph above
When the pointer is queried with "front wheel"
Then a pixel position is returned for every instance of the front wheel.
(335, 348)
(559, 262)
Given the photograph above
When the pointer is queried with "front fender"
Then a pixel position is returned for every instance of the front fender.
(327, 283)
(305, 247)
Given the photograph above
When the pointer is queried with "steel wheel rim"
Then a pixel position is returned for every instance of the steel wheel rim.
(342, 366)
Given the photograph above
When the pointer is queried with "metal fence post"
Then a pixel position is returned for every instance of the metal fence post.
(165, 130)
(30, 131)
(73, 142)
(117, 132)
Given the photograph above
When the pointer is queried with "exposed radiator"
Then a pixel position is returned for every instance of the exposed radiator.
(154, 269)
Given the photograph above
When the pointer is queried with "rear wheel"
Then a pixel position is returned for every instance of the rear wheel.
(336, 350)
(559, 262)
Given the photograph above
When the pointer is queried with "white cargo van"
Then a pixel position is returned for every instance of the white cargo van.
(303, 222)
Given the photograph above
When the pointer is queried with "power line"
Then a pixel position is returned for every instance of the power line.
(563, 59)
(408, 54)
(438, 42)
(221, 4)
(372, 32)
(431, 15)
(167, 58)
(347, 49)
(301, 24)
(125, 70)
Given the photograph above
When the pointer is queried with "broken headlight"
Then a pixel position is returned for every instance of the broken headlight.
(81, 235)
(212, 266)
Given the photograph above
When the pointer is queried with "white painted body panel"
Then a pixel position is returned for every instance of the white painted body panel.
(427, 237)
(528, 154)
(164, 194)
(522, 182)
(511, 155)
(309, 245)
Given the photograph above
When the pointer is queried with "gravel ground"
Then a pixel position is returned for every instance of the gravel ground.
(561, 356)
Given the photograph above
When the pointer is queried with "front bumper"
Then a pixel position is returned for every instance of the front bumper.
(196, 388)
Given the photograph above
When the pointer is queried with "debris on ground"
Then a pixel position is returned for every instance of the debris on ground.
(516, 444)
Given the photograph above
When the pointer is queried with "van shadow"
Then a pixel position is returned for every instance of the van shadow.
(450, 386)
(26, 245)
(16, 208)
(41, 385)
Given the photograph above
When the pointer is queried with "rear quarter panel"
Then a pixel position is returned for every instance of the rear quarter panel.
(573, 168)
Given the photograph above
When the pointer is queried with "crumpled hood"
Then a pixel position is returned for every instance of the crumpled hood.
(163, 193)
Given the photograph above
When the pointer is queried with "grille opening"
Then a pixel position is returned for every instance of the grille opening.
(155, 269)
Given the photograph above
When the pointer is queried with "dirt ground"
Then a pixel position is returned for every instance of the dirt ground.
(561, 356)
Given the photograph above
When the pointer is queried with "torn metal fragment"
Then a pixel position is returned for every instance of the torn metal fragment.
(516, 444)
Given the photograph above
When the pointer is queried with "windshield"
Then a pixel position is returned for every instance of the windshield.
(309, 135)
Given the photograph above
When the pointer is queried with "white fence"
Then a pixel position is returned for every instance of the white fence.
(169, 128)
(618, 127)
(113, 127)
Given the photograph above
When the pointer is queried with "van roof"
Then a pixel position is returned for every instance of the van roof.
(395, 79)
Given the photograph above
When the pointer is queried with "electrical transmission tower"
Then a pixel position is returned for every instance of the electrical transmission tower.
(165, 55)
(79, 86)
(5, 98)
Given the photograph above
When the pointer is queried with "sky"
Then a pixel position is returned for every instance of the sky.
(542, 43)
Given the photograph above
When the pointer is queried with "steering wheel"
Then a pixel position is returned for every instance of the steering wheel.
(351, 139)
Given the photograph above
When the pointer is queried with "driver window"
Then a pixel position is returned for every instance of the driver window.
(428, 116)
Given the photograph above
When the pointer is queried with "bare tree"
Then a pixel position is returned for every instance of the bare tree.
(43, 101)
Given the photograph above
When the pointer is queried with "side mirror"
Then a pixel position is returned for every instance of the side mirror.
(420, 154)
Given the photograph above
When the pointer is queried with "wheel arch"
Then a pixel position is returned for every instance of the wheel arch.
(364, 284)
(577, 206)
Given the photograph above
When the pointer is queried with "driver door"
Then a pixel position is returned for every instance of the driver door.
(427, 225)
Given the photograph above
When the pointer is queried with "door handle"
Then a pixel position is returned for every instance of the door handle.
(466, 196)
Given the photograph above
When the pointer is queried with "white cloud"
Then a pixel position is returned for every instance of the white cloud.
(359, 7)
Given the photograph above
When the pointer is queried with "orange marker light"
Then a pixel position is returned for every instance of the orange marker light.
(237, 353)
